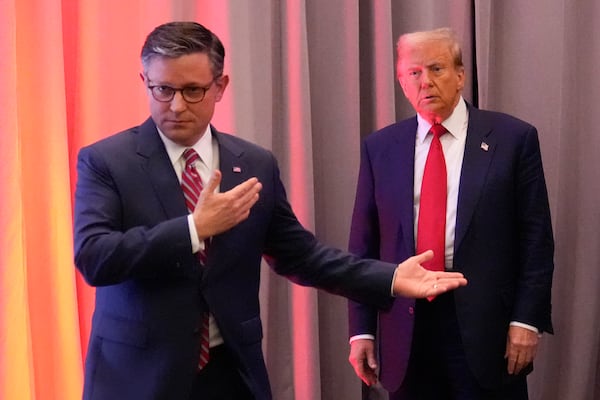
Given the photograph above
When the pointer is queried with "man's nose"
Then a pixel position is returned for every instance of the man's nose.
(426, 78)
(178, 103)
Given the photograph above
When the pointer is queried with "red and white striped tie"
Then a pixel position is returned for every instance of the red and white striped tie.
(191, 184)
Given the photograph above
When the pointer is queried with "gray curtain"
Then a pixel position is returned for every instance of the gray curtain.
(311, 77)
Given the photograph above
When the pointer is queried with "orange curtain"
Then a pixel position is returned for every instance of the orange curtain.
(66, 80)
(38, 313)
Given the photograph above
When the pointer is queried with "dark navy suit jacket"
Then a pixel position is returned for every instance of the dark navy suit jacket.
(503, 240)
(132, 242)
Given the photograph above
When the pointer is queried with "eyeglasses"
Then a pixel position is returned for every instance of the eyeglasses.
(191, 94)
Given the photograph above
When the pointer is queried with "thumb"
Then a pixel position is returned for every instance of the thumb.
(424, 256)
(214, 181)
(372, 361)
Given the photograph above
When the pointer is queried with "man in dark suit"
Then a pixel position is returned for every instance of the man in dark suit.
(479, 341)
(171, 220)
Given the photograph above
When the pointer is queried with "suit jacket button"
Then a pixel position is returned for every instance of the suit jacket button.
(411, 310)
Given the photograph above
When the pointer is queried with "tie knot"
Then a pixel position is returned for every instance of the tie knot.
(190, 156)
(438, 130)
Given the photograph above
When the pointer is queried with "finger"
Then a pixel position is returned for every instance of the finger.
(448, 283)
(511, 359)
(250, 196)
(511, 366)
(243, 205)
(367, 375)
(246, 186)
(371, 361)
(213, 182)
(451, 276)
(424, 256)
(370, 378)
(522, 361)
(360, 369)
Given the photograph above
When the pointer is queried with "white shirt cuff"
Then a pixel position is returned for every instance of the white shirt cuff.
(197, 245)
(363, 336)
(526, 326)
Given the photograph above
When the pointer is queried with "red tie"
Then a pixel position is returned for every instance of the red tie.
(191, 183)
(431, 231)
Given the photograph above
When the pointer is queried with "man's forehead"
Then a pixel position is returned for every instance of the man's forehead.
(425, 60)
(428, 50)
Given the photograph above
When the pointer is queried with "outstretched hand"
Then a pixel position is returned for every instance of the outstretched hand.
(412, 280)
(217, 212)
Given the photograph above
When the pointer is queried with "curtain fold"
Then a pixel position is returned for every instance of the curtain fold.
(308, 79)
(15, 373)
(41, 355)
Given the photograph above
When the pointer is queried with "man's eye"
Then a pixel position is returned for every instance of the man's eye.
(164, 89)
(193, 90)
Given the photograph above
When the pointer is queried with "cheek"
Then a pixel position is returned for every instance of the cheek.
(411, 92)
(158, 109)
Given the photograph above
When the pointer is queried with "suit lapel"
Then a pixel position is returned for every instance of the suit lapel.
(157, 165)
(233, 167)
(479, 150)
(405, 156)
(234, 170)
(393, 165)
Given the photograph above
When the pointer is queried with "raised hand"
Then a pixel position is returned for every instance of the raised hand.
(217, 212)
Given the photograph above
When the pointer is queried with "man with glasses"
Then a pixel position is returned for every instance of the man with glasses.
(171, 220)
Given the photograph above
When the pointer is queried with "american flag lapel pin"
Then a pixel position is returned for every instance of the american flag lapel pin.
(484, 146)
(237, 170)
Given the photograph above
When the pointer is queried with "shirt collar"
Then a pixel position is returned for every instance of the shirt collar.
(455, 123)
(203, 147)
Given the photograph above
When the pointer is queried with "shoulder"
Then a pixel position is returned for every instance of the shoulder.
(115, 145)
(498, 120)
(127, 139)
(397, 130)
(126, 146)
(399, 134)
(239, 146)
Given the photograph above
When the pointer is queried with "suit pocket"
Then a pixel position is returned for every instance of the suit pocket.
(121, 330)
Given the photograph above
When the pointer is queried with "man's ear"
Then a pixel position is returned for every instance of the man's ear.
(221, 83)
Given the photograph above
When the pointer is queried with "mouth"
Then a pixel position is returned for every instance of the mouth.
(429, 99)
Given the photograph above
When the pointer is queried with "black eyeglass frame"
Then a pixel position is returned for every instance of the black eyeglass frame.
(167, 99)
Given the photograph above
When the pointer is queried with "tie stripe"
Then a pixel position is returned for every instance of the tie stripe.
(204, 343)
(191, 184)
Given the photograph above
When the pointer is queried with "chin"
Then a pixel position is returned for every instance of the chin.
(179, 136)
